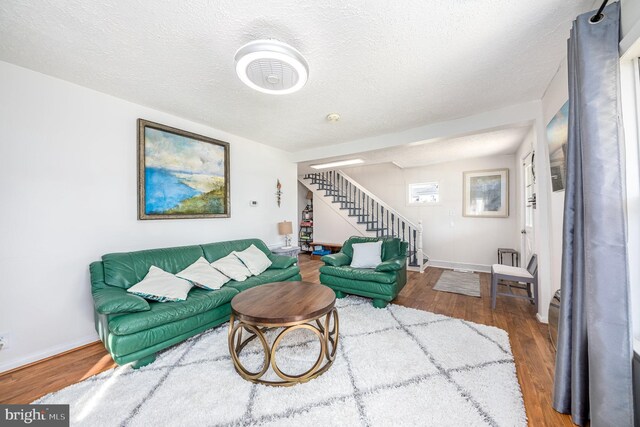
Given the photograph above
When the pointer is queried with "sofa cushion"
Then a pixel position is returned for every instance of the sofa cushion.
(393, 264)
(367, 255)
(364, 274)
(198, 301)
(130, 347)
(112, 300)
(254, 259)
(215, 251)
(390, 246)
(232, 267)
(128, 268)
(275, 275)
(282, 261)
(203, 275)
(337, 260)
(158, 285)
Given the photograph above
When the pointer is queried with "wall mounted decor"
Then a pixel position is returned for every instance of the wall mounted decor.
(181, 174)
(486, 193)
(279, 193)
(557, 137)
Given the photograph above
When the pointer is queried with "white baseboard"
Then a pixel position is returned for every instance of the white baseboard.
(459, 265)
(52, 351)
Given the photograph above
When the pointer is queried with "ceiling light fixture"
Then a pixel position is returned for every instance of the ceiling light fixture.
(270, 66)
(338, 163)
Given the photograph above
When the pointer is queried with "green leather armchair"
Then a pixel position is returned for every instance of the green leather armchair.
(382, 284)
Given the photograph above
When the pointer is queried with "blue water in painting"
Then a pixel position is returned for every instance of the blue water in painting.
(164, 191)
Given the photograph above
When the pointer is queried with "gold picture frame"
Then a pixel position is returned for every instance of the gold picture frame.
(181, 175)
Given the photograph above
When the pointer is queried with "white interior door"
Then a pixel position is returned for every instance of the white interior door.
(528, 203)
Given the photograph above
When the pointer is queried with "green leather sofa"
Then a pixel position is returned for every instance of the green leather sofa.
(382, 284)
(134, 329)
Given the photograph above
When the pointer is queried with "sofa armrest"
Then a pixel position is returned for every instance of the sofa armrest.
(111, 300)
(282, 261)
(393, 264)
(337, 260)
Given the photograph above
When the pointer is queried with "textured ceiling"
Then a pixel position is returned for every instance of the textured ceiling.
(424, 153)
(383, 65)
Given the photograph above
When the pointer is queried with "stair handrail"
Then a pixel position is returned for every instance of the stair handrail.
(419, 254)
(380, 202)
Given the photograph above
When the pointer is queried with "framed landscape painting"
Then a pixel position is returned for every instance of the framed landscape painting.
(486, 193)
(557, 137)
(181, 174)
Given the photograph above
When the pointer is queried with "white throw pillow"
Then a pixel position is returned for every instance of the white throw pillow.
(366, 255)
(203, 275)
(231, 266)
(255, 260)
(158, 285)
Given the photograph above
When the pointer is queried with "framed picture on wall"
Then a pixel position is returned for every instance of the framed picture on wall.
(423, 193)
(486, 193)
(181, 174)
(557, 137)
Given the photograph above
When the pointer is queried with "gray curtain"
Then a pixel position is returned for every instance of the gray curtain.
(593, 362)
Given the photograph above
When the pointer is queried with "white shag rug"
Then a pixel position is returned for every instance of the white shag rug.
(395, 366)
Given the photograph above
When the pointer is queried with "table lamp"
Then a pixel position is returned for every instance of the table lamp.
(285, 228)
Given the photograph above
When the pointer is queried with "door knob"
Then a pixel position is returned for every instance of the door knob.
(523, 231)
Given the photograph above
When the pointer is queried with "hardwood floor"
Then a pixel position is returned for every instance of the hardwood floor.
(531, 347)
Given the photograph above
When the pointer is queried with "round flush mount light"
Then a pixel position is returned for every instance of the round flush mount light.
(270, 66)
(333, 117)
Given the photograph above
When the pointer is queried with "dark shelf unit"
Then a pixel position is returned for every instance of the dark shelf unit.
(305, 235)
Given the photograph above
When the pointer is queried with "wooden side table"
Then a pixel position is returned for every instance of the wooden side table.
(292, 251)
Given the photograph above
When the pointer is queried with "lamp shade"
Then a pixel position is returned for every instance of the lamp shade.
(285, 227)
(309, 195)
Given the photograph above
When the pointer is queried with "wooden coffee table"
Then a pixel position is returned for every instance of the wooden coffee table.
(287, 305)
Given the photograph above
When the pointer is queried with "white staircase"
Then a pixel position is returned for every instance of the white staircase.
(367, 212)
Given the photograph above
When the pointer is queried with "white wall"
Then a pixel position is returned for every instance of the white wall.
(328, 225)
(554, 98)
(68, 195)
(630, 15)
(449, 239)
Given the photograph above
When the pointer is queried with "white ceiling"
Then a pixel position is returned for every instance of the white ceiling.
(424, 153)
(384, 65)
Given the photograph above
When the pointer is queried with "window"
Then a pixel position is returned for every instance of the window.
(424, 193)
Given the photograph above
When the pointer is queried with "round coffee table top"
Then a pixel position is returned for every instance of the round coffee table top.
(281, 303)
